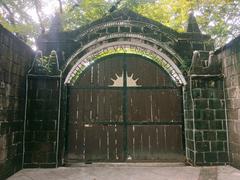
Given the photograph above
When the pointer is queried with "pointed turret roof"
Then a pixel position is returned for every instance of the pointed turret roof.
(192, 26)
(56, 24)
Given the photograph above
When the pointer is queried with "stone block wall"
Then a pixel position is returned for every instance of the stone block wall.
(230, 57)
(205, 125)
(188, 123)
(41, 139)
(15, 60)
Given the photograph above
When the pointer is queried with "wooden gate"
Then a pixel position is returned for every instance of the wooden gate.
(125, 107)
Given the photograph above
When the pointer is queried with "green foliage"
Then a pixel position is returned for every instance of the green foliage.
(84, 12)
(219, 18)
(40, 65)
(171, 13)
(46, 64)
(17, 17)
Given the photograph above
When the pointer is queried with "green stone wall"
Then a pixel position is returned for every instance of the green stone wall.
(188, 123)
(230, 57)
(205, 125)
(15, 60)
(41, 142)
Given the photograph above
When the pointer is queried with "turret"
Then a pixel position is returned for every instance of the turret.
(192, 26)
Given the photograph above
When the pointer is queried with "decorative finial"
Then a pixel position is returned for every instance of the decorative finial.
(56, 24)
(192, 26)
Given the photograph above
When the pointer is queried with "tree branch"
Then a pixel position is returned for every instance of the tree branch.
(11, 14)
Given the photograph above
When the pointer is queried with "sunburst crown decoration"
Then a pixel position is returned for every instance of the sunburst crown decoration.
(118, 82)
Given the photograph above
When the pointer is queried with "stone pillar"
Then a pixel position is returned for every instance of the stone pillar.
(188, 123)
(41, 143)
(206, 134)
(43, 113)
(205, 120)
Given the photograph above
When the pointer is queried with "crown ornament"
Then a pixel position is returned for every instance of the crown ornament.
(118, 82)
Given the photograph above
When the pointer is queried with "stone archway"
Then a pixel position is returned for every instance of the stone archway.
(157, 52)
(129, 33)
(161, 54)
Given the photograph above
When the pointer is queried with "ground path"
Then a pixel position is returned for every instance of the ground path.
(130, 171)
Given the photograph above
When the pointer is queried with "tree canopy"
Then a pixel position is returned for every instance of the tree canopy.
(29, 18)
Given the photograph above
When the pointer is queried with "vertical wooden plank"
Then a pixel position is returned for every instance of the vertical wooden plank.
(86, 105)
(80, 98)
(119, 144)
(149, 74)
(116, 103)
(138, 142)
(140, 105)
(112, 138)
(131, 141)
(115, 143)
(153, 142)
(72, 143)
(102, 133)
(79, 142)
(174, 138)
(145, 142)
(95, 143)
(91, 143)
(163, 139)
(95, 72)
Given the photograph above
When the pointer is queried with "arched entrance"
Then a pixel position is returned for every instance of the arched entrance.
(125, 107)
(135, 128)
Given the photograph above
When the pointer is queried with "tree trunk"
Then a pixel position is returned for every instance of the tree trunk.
(60, 6)
(38, 11)
(11, 14)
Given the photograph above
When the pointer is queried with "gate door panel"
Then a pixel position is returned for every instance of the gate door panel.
(125, 108)
(154, 114)
(155, 142)
(95, 115)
